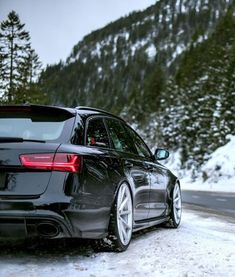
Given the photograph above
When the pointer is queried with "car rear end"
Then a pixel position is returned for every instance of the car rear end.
(33, 172)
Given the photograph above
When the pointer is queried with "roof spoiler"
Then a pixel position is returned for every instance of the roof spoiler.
(36, 108)
(52, 110)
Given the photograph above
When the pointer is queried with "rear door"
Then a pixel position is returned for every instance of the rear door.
(159, 180)
(35, 133)
(157, 177)
(134, 167)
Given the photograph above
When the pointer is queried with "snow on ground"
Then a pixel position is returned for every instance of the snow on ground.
(217, 174)
(221, 162)
(223, 185)
(202, 246)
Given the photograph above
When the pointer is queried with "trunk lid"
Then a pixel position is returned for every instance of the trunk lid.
(16, 180)
(26, 130)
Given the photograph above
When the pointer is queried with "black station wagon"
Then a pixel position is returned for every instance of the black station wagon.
(80, 172)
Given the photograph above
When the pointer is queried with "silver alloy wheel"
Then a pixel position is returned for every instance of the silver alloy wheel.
(177, 206)
(124, 214)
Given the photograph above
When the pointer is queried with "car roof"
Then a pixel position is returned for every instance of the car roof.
(94, 111)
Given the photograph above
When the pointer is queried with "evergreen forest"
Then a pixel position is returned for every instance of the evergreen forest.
(169, 70)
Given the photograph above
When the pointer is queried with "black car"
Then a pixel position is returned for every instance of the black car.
(80, 172)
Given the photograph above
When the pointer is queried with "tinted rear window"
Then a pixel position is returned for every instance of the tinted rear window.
(35, 126)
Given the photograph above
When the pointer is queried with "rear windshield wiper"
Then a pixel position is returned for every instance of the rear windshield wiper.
(13, 139)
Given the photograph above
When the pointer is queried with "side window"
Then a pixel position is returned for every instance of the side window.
(141, 147)
(120, 139)
(96, 133)
(78, 133)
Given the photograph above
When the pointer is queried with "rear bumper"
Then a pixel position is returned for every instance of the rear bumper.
(88, 223)
(63, 215)
(21, 224)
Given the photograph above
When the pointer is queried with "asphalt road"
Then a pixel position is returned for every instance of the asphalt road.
(215, 201)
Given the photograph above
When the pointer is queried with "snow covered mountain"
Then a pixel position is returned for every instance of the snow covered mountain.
(169, 68)
(112, 66)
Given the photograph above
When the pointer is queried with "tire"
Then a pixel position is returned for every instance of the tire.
(176, 207)
(121, 222)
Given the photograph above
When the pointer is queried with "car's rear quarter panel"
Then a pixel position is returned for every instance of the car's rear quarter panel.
(92, 191)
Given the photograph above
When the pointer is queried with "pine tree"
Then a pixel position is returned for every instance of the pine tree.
(19, 64)
(154, 85)
(201, 114)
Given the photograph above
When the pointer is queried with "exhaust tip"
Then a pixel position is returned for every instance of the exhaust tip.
(48, 230)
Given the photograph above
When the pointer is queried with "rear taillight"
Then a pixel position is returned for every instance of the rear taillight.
(50, 161)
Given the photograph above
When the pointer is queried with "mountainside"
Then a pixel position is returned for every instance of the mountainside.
(198, 110)
(111, 67)
(170, 68)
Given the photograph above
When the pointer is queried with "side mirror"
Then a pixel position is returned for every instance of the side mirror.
(161, 154)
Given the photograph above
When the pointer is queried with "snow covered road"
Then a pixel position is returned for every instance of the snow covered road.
(204, 245)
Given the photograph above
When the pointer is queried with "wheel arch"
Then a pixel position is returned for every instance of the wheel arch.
(172, 182)
(117, 188)
(124, 180)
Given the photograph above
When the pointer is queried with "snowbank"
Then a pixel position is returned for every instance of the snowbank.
(221, 163)
(217, 174)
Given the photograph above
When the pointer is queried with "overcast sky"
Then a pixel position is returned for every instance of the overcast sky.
(55, 26)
